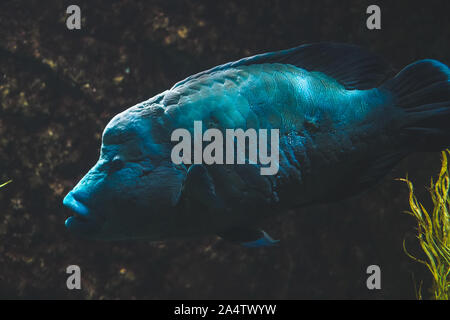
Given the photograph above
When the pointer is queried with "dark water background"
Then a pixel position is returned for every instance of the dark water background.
(59, 88)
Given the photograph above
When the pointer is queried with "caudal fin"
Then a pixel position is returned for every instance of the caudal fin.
(422, 89)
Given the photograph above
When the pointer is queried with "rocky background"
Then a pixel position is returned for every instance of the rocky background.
(58, 89)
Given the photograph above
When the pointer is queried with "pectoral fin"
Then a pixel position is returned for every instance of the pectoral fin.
(198, 189)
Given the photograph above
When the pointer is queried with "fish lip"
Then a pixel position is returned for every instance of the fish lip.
(82, 221)
(75, 205)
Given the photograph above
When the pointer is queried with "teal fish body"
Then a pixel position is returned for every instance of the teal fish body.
(342, 126)
(317, 117)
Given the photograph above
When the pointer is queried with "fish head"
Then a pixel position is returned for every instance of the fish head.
(132, 190)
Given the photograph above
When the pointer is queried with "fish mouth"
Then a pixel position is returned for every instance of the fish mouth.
(82, 222)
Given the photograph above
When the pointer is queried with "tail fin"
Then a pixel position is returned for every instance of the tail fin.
(422, 89)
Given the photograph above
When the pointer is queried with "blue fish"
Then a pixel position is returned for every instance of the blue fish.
(342, 126)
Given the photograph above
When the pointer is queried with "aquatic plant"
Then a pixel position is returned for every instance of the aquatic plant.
(4, 184)
(433, 230)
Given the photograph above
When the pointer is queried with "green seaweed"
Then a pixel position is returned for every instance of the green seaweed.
(4, 184)
(433, 230)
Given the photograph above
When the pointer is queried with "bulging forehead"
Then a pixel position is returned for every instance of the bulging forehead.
(127, 125)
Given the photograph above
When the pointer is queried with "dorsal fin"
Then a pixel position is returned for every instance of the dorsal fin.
(352, 66)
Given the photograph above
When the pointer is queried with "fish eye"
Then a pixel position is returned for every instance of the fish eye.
(116, 164)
